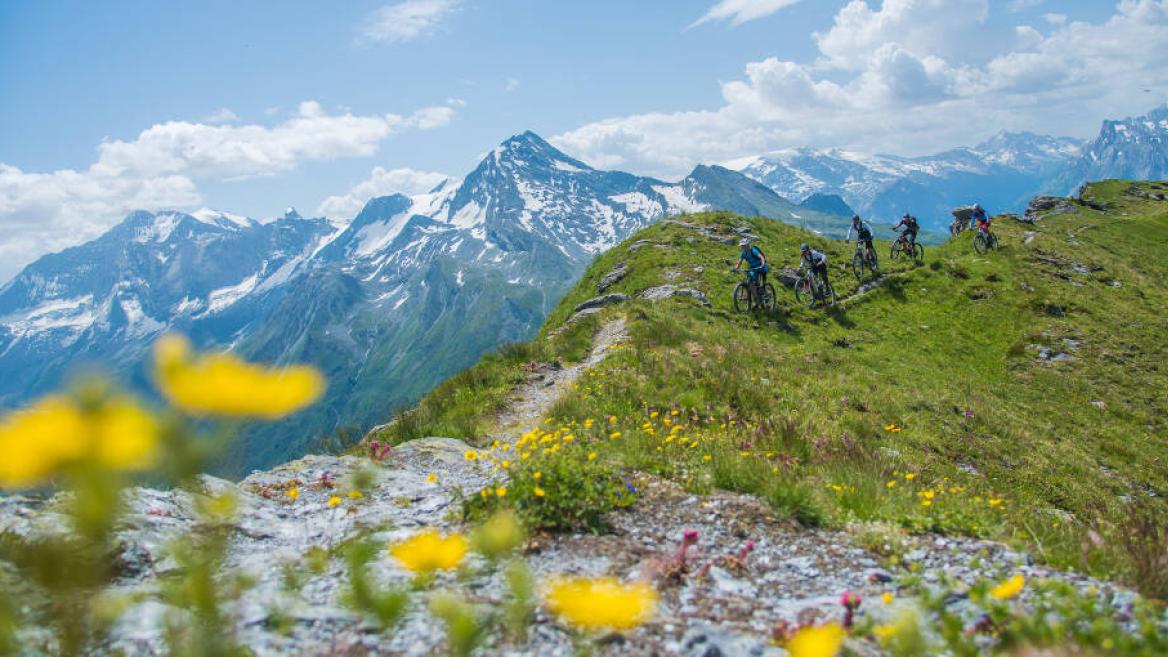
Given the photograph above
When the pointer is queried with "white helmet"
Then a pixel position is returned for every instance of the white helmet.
(745, 242)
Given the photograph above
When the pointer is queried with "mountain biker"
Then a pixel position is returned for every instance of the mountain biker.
(863, 233)
(978, 216)
(815, 261)
(911, 227)
(755, 260)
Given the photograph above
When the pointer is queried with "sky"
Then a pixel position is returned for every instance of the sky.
(252, 107)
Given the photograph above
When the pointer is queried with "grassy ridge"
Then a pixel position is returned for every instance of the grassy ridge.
(938, 401)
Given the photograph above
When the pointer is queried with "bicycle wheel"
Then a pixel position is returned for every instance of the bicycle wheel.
(768, 297)
(895, 252)
(873, 262)
(858, 266)
(804, 294)
(742, 298)
(828, 294)
(918, 253)
(979, 244)
(993, 240)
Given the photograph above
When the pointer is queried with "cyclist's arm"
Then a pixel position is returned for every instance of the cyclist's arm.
(848, 237)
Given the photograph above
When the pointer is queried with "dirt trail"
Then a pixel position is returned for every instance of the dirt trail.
(547, 383)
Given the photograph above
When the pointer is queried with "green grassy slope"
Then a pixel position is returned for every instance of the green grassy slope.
(924, 403)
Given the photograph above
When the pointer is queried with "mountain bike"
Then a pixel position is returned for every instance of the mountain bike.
(809, 289)
(749, 296)
(864, 257)
(985, 241)
(903, 247)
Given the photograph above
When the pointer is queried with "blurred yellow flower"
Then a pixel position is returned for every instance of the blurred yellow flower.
(891, 484)
(355, 495)
(334, 501)
(910, 476)
(591, 456)
(538, 492)
(224, 385)
(887, 598)
(470, 455)
(1009, 588)
(428, 551)
(292, 493)
(501, 491)
(816, 641)
(432, 478)
(537, 476)
(601, 603)
(614, 435)
(38, 441)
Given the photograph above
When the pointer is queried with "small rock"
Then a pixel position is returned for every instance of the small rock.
(667, 291)
(1099, 403)
(612, 278)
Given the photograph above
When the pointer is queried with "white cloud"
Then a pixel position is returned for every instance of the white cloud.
(407, 20)
(1022, 5)
(159, 168)
(742, 11)
(221, 115)
(909, 77)
(381, 182)
(512, 85)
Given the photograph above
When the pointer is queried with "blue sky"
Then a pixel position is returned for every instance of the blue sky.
(204, 103)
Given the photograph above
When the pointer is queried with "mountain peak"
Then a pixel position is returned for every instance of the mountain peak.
(291, 213)
(529, 150)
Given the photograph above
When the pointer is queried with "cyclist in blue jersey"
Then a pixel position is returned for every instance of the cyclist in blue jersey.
(754, 259)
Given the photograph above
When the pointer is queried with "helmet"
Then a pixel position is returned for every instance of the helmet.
(744, 242)
(804, 247)
(855, 217)
(907, 215)
(976, 206)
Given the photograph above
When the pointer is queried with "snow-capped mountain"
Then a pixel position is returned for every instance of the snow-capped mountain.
(1134, 148)
(1001, 173)
(408, 292)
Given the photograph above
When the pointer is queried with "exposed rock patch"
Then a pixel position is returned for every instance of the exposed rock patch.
(1042, 206)
(612, 278)
(601, 301)
(667, 291)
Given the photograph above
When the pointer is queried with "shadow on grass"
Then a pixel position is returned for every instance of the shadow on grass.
(840, 316)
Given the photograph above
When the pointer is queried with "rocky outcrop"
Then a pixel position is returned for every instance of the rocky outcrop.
(612, 278)
(601, 301)
(1043, 206)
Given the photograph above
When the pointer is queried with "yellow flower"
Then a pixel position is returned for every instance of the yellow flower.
(891, 484)
(334, 501)
(910, 476)
(222, 384)
(601, 603)
(501, 491)
(707, 458)
(927, 494)
(292, 493)
(355, 495)
(470, 455)
(926, 502)
(1009, 588)
(891, 428)
(537, 476)
(996, 501)
(538, 492)
(816, 641)
(432, 478)
(428, 551)
(614, 435)
(675, 412)
(38, 441)
(887, 598)
(653, 415)
(591, 456)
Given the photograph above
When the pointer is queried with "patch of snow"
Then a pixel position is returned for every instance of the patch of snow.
(400, 301)
(138, 322)
(74, 314)
(187, 305)
(458, 278)
(676, 199)
(378, 235)
(222, 298)
(638, 203)
(219, 218)
(564, 166)
(160, 229)
(469, 216)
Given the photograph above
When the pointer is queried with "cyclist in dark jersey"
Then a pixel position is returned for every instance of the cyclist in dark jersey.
(911, 228)
(815, 261)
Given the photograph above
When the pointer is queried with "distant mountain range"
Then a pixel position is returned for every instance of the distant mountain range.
(1002, 173)
(415, 288)
(410, 291)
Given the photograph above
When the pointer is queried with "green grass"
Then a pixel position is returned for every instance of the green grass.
(935, 375)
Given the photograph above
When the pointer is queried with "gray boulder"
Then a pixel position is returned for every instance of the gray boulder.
(601, 301)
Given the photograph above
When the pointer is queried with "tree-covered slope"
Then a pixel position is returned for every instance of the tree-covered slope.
(1017, 395)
